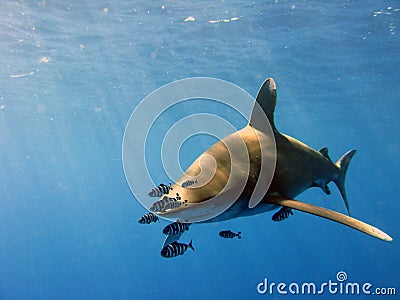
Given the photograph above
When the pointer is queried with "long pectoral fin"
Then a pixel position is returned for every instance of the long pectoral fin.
(331, 215)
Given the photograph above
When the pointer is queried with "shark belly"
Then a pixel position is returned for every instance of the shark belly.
(241, 209)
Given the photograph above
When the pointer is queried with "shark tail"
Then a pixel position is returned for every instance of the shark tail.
(343, 164)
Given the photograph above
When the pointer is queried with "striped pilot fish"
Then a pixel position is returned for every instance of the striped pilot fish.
(148, 218)
(176, 228)
(227, 234)
(167, 203)
(175, 249)
(188, 183)
(160, 190)
(174, 204)
(282, 214)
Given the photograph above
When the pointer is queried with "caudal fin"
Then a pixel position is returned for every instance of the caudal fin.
(191, 245)
(343, 164)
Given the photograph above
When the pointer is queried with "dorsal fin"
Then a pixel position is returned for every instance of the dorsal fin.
(324, 152)
(266, 98)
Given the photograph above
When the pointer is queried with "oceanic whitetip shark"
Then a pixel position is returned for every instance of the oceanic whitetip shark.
(296, 167)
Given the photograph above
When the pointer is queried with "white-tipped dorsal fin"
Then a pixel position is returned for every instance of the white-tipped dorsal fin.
(266, 100)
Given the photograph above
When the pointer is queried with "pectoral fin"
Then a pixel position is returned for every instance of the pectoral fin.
(331, 215)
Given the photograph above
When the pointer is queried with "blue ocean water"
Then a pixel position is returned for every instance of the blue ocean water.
(72, 72)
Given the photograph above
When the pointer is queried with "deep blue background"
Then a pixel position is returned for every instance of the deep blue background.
(71, 73)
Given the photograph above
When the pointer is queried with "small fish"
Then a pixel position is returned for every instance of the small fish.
(148, 218)
(159, 206)
(282, 214)
(227, 234)
(175, 249)
(174, 204)
(167, 203)
(160, 190)
(176, 228)
(188, 183)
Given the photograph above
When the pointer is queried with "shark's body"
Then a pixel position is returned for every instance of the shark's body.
(298, 167)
